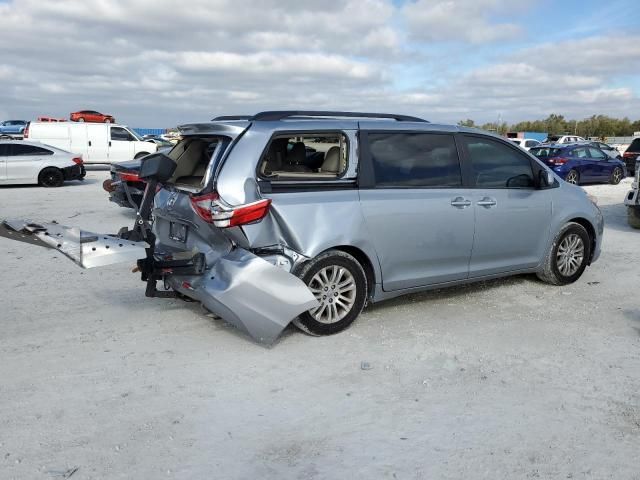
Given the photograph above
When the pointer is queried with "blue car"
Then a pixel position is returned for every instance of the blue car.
(12, 127)
(581, 163)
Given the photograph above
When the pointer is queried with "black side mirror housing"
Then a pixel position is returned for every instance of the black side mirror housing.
(545, 179)
(158, 167)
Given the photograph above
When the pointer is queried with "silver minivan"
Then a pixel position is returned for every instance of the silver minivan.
(307, 216)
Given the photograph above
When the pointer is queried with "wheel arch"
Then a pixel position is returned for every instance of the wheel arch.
(590, 230)
(365, 262)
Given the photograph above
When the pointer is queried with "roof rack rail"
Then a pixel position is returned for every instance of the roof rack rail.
(231, 117)
(282, 114)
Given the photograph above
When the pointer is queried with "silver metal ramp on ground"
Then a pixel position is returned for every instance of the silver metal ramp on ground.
(86, 249)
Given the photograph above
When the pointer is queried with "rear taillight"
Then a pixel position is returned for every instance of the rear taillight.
(629, 154)
(25, 133)
(202, 205)
(211, 209)
(129, 177)
(560, 160)
(77, 160)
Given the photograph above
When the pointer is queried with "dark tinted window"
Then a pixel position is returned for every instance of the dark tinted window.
(496, 165)
(635, 146)
(118, 133)
(28, 150)
(415, 160)
(545, 151)
(4, 150)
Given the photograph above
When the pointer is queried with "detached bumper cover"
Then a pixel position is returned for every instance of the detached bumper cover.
(250, 293)
(86, 249)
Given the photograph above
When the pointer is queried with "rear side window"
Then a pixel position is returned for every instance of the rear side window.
(545, 151)
(305, 156)
(414, 160)
(4, 150)
(498, 166)
(24, 150)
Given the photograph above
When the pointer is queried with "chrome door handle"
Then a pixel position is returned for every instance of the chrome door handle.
(460, 202)
(487, 202)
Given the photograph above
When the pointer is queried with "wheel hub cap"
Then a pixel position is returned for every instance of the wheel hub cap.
(570, 255)
(335, 289)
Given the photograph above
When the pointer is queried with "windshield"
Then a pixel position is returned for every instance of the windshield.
(135, 135)
(545, 151)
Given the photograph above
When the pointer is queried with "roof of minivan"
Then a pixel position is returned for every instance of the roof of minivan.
(236, 127)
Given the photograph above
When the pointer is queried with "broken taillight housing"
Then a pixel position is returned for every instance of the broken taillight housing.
(129, 177)
(212, 209)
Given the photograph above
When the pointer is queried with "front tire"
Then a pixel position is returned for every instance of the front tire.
(568, 257)
(616, 176)
(339, 283)
(51, 177)
(81, 119)
(572, 177)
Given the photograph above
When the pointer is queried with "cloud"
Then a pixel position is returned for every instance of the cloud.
(460, 20)
(158, 63)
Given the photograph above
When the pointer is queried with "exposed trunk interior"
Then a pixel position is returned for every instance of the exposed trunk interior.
(192, 156)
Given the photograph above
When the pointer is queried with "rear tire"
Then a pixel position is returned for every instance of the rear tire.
(573, 177)
(51, 177)
(616, 176)
(568, 256)
(633, 216)
(339, 284)
(106, 120)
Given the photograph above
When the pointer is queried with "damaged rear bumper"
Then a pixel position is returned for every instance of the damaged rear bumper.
(248, 292)
(244, 289)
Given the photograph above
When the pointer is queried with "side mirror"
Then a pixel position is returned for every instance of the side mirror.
(546, 179)
(158, 167)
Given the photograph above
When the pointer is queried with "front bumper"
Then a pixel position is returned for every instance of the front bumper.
(76, 172)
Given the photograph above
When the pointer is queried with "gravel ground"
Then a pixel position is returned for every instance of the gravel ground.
(505, 379)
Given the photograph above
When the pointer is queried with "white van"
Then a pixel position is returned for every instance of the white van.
(96, 142)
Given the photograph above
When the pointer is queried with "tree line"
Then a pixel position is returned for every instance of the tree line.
(594, 126)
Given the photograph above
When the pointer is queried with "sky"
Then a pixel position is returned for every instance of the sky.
(159, 63)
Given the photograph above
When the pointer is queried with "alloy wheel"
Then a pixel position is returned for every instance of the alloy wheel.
(572, 177)
(335, 289)
(617, 176)
(570, 255)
